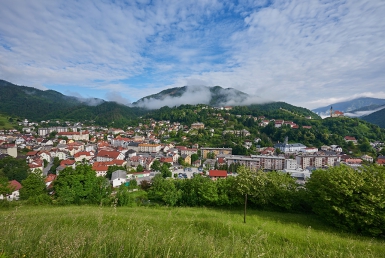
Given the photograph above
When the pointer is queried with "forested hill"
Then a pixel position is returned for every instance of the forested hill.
(377, 118)
(35, 104)
(189, 114)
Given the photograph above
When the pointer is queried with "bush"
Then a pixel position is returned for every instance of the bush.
(349, 199)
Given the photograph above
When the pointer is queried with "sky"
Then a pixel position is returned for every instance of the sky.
(307, 53)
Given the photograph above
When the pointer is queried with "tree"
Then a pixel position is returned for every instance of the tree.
(155, 165)
(194, 157)
(350, 200)
(139, 168)
(14, 169)
(164, 191)
(80, 185)
(244, 182)
(4, 186)
(165, 170)
(33, 187)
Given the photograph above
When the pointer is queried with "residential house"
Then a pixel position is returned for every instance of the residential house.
(350, 139)
(109, 155)
(118, 178)
(14, 186)
(216, 174)
(9, 149)
(381, 160)
(197, 126)
(83, 155)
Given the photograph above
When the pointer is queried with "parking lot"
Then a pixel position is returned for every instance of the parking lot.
(189, 172)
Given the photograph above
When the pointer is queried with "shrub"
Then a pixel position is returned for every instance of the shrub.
(349, 199)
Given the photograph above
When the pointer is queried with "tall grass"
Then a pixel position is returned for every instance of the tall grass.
(85, 231)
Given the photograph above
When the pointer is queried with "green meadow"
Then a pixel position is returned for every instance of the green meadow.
(91, 231)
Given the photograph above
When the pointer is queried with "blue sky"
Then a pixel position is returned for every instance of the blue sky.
(308, 53)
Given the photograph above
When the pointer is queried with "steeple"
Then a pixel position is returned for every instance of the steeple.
(331, 111)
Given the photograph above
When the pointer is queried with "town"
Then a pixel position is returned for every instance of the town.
(138, 152)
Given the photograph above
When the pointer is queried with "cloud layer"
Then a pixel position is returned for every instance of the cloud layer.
(305, 52)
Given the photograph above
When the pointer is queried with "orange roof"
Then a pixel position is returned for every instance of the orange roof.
(67, 162)
(218, 173)
(108, 154)
(50, 178)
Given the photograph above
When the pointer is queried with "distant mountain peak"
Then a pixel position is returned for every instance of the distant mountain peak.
(198, 94)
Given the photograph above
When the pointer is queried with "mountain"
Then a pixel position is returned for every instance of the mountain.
(192, 95)
(351, 106)
(35, 104)
(377, 118)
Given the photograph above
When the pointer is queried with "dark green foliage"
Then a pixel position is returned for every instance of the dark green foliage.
(349, 199)
(14, 169)
(377, 118)
(36, 104)
(80, 185)
(164, 191)
(34, 189)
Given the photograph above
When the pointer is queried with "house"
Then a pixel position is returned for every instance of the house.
(367, 158)
(381, 160)
(104, 155)
(166, 160)
(83, 155)
(215, 174)
(10, 149)
(118, 178)
(186, 159)
(14, 186)
(350, 139)
(197, 126)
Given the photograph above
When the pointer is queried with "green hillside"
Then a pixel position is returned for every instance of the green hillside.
(87, 231)
(34, 104)
(377, 118)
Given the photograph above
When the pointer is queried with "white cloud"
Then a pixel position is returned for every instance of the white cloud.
(306, 52)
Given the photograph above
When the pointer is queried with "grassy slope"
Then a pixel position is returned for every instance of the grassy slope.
(5, 124)
(178, 232)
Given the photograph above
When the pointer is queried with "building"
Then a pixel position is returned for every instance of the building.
(197, 126)
(215, 151)
(317, 161)
(9, 149)
(146, 147)
(118, 178)
(290, 148)
(255, 162)
(109, 155)
(215, 174)
(335, 113)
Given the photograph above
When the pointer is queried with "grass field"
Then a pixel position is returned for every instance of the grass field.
(5, 124)
(85, 231)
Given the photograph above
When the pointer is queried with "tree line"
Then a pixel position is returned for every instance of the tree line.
(351, 200)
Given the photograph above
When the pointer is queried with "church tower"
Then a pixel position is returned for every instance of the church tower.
(331, 111)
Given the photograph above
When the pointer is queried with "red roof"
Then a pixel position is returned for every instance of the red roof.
(166, 159)
(218, 173)
(67, 162)
(50, 178)
(32, 153)
(350, 138)
(85, 153)
(108, 154)
(14, 185)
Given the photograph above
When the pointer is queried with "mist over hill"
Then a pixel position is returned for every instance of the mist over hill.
(192, 95)
(352, 108)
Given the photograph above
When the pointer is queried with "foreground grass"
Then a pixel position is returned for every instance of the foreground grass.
(84, 231)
